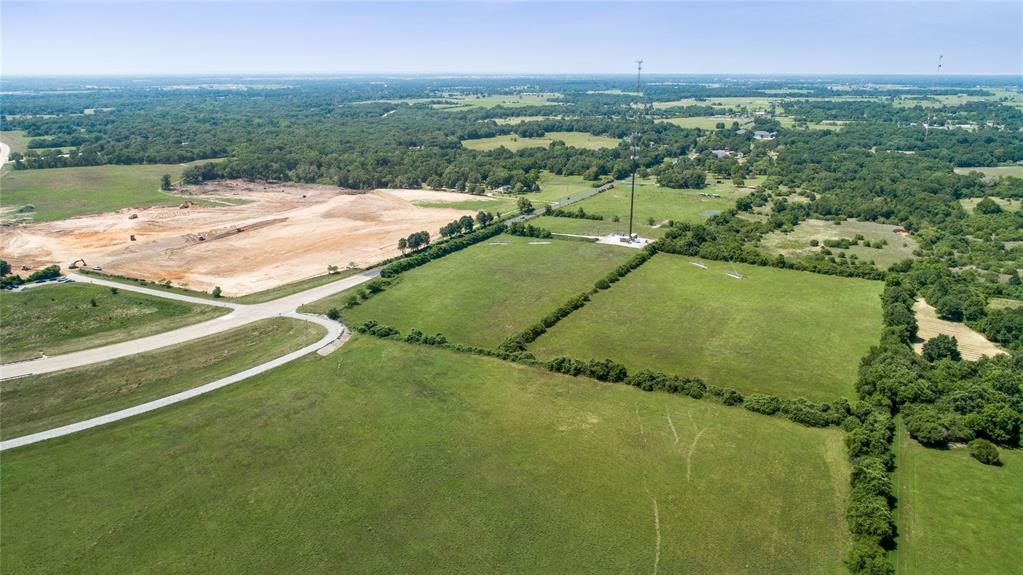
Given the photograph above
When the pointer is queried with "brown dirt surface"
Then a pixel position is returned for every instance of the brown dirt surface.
(258, 236)
(972, 345)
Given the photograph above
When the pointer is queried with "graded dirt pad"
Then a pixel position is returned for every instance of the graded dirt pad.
(263, 235)
(972, 345)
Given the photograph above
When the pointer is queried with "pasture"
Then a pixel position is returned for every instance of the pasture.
(652, 201)
(776, 331)
(386, 457)
(705, 122)
(796, 244)
(17, 140)
(60, 193)
(493, 101)
(1007, 204)
(955, 514)
(488, 292)
(40, 402)
(994, 171)
(514, 142)
(57, 319)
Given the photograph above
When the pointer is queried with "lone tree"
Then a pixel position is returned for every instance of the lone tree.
(403, 245)
(5, 268)
(525, 206)
(165, 182)
(941, 347)
(985, 452)
(216, 291)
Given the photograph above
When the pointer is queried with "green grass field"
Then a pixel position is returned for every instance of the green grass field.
(796, 243)
(486, 293)
(994, 171)
(956, 515)
(251, 298)
(57, 319)
(781, 332)
(515, 143)
(17, 140)
(60, 193)
(554, 188)
(652, 201)
(389, 458)
(1008, 204)
(504, 100)
(40, 402)
(703, 122)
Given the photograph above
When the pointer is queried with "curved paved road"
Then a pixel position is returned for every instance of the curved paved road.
(241, 315)
(334, 331)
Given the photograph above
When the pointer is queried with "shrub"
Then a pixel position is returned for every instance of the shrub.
(765, 404)
(985, 452)
(334, 314)
(216, 291)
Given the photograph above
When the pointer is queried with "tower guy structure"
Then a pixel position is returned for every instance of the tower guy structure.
(634, 144)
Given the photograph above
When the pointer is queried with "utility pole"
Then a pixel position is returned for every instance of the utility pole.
(634, 145)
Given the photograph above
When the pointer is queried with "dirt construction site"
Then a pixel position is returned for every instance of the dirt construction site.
(246, 236)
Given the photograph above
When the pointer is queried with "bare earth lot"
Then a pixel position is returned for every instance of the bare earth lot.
(261, 236)
(972, 345)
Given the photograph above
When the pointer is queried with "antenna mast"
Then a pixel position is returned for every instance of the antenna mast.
(634, 144)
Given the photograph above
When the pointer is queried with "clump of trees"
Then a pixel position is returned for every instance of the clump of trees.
(578, 213)
(438, 250)
(528, 230)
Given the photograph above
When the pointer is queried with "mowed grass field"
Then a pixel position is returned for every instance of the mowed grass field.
(514, 142)
(56, 319)
(389, 458)
(1007, 204)
(780, 332)
(59, 193)
(652, 201)
(16, 139)
(555, 188)
(486, 293)
(704, 122)
(40, 402)
(994, 171)
(504, 100)
(796, 244)
(955, 514)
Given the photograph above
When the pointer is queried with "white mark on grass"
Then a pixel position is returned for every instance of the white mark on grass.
(692, 446)
(671, 425)
(657, 533)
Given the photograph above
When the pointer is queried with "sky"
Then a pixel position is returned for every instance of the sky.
(503, 37)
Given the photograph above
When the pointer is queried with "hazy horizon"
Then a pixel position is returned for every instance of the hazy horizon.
(511, 39)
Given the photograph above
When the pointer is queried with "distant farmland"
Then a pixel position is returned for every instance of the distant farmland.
(513, 142)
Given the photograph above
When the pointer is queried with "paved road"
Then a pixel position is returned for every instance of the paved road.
(240, 315)
(334, 331)
(565, 202)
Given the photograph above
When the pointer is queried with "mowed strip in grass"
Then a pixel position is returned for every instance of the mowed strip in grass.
(57, 319)
(514, 142)
(956, 515)
(41, 402)
(781, 332)
(484, 294)
(59, 193)
(652, 201)
(385, 457)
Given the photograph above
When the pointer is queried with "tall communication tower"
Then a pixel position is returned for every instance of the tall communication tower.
(634, 144)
